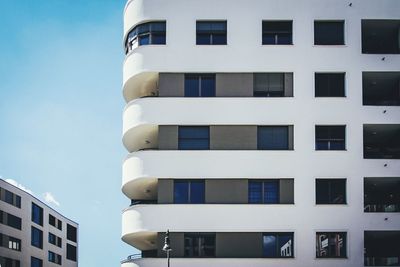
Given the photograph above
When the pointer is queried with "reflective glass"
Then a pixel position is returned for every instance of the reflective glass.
(181, 192)
(255, 192)
(196, 192)
(269, 246)
(192, 84)
(208, 86)
(271, 192)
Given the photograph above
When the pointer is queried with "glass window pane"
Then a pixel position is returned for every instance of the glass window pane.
(181, 192)
(255, 192)
(203, 27)
(158, 39)
(269, 38)
(284, 38)
(197, 192)
(275, 82)
(208, 86)
(194, 132)
(328, 32)
(144, 39)
(203, 39)
(193, 144)
(322, 191)
(218, 26)
(285, 245)
(144, 28)
(269, 246)
(219, 39)
(158, 26)
(272, 138)
(192, 85)
(271, 192)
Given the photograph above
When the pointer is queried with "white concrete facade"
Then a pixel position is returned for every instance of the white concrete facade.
(244, 53)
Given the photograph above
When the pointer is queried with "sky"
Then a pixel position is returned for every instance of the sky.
(61, 114)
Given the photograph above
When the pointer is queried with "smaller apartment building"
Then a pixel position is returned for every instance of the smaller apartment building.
(33, 234)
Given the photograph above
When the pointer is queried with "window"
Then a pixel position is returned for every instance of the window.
(36, 238)
(10, 198)
(71, 252)
(329, 32)
(330, 137)
(381, 88)
(52, 220)
(153, 33)
(266, 191)
(55, 240)
(10, 220)
(54, 257)
(37, 214)
(211, 32)
(331, 245)
(8, 262)
(193, 138)
(199, 245)
(382, 194)
(10, 242)
(330, 191)
(329, 84)
(272, 138)
(380, 36)
(278, 245)
(199, 85)
(35, 262)
(381, 248)
(189, 192)
(381, 141)
(269, 84)
(71, 233)
(277, 32)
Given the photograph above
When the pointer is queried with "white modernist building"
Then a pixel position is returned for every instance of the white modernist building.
(262, 133)
(33, 234)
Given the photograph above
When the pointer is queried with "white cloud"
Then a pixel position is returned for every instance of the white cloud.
(49, 198)
(20, 186)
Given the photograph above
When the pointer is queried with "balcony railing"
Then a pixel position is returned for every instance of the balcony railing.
(382, 208)
(131, 258)
(381, 261)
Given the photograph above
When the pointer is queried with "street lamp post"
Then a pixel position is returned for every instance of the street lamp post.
(167, 246)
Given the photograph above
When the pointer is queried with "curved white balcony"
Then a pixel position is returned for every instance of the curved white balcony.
(141, 223)
(141, 169)
(142, 116)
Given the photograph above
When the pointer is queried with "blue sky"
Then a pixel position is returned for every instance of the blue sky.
(60, 113)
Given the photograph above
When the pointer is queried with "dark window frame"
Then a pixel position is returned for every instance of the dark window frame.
(71, 253)
(268, 91)
(37, 214)
(189, 190)
(200, 249)
(201, 90)
(72, 233)
(139, 33)
(322, 25)
(277, 235)
(266, 145)
(212, 33)
(35, 262)
(36, 233)
(330, 141)
(182, 139)
(325, 82)
(278, 35)
(330, 235)
(329, 183)
(262, 199)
